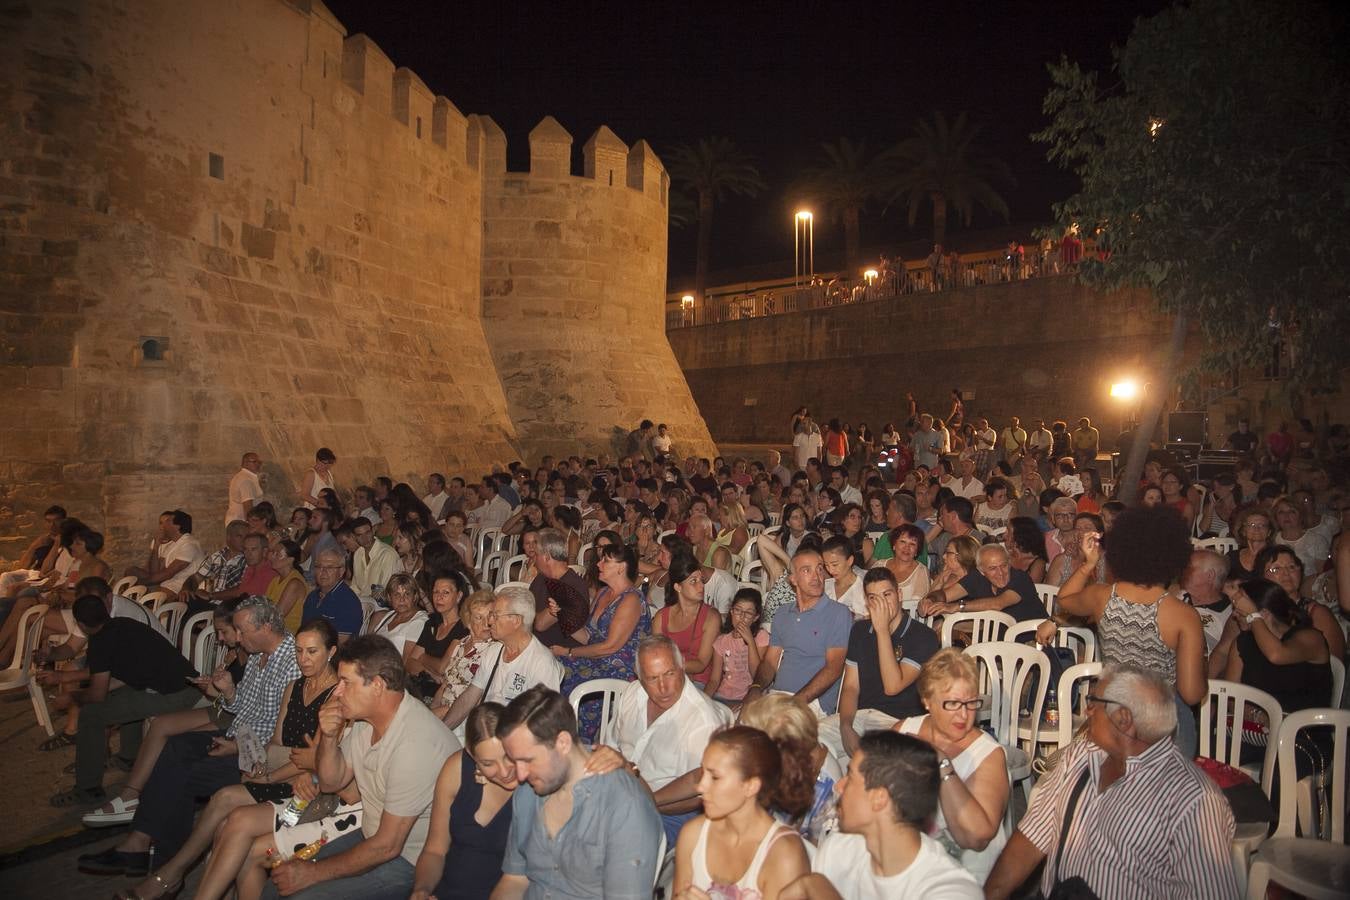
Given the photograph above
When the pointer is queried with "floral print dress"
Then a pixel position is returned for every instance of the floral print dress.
(619, 664)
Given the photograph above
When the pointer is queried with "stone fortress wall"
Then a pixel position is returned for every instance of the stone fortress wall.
(229, 225)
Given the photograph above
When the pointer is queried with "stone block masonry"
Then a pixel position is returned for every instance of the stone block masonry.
(230, 226)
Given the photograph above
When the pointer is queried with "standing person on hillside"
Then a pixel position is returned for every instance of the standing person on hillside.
(927, 443)
(245, 488)
(1014, 440)
(318, 478)
(836, 443)
(1086, 443)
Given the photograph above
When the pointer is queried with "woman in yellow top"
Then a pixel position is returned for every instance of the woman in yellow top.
(735, 531)
(287, 591)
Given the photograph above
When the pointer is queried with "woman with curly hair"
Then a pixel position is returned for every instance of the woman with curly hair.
(1139, 621)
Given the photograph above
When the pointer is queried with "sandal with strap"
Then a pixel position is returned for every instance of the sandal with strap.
(167, 889)
(56, 742)
(122, 812)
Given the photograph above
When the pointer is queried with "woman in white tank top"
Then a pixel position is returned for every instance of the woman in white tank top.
(736, 850)
(318, 478)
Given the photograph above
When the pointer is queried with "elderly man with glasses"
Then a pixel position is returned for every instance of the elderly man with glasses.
(332, 598)
(1124, 814)
(994, 585)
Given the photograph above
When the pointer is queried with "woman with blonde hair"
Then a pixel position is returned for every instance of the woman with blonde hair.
(958, 561)
(973, 791)
(467, 654)
(735, 531)
(403, 622)
(794, 729)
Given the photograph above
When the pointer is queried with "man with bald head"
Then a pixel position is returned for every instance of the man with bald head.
(332, 598)
(1202, 583)
(245, 488)
(701, 532)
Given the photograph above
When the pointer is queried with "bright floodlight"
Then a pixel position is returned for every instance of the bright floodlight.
(687, 300)
(804, 214)
(1125, 390)
(870, 274)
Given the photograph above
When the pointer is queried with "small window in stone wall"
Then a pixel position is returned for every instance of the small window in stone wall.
(216, 166)
(154, 349)
(419, 127)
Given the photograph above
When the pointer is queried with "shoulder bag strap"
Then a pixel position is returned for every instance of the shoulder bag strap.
(1068, 816)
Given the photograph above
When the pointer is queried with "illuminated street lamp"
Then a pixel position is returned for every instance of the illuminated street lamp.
(803, 246)
(1125, 390)
(871, 276)
(687, 301)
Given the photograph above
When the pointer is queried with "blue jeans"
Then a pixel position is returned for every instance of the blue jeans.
(672, 825)
(388, 881)
(1187, 737)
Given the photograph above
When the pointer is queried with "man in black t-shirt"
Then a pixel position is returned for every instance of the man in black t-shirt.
(557, 582)
(1243, 440)
(995, 585)
(152, 680)
(881, 668)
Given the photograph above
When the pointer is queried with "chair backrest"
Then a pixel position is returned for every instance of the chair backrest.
(1005, 667)
(1337, 682)
(609, 690)
(204, 651)
(664, 534)
(582, 551)
(135, 592)
(1049, 595)
(120, 585)
(513, 568)
(1332, 828)
(154, 599)
(486, 541)
(187, 638)
(171, 616)
(986, 626)
(775, 519)
(1220, 725)
(29, 633)
(1217, 544)
(1072, 696)
(750, 551)
(1082, 641)
(753, 573)
(492, 564)
(755, 529)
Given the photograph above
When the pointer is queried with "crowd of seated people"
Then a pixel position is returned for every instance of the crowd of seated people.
(405, 664)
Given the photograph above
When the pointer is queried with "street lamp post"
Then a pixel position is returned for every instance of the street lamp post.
(803, 246)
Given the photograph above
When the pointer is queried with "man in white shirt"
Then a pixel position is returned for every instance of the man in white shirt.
(1039, 442)
(881, 850)
(373, 562)
(174, 555)
(494, 511)
(966, 484)
(245, 488)
(661, 441)
(986, 439)
(662, 726)
(807, 443)
(847, 492)
(778, 470)
(436, 496)
(516, 662)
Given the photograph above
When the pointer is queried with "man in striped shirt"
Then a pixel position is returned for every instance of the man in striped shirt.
(1143, 821)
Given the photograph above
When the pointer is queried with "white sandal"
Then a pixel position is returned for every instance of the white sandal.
(123, 811)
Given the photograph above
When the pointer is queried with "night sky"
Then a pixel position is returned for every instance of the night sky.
(778, 79)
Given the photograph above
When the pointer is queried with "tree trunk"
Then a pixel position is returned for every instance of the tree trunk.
(939, 217)
(851, 242)
(1151, 411)
(705, 212)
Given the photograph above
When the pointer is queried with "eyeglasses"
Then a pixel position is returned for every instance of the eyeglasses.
(972, 705)
(494, 616)
(1098, 700)
(1264, 526)
(1290, 568)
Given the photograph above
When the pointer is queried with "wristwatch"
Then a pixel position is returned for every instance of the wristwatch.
(1252, 617)
(945, 769)
(962, 605)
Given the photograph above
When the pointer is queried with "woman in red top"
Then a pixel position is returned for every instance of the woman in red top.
(692, 624)
(1174, 489)
(836, 443)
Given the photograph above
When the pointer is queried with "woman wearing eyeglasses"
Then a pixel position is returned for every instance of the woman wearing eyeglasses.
(1253, 533)
(973, 792)
(1282, 566)
(1278, 651)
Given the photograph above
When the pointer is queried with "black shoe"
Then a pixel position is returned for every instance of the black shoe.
(114, 862)
(79, 797)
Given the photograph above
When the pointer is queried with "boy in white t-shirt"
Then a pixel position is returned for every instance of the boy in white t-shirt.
(880, 851)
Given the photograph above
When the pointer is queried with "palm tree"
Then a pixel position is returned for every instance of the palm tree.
(844, 182)
(941, 164)
(711, 169)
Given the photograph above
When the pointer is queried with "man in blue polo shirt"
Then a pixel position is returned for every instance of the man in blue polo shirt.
(332, 598)
(806, 649)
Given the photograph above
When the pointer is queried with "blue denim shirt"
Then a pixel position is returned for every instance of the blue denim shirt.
(606, 849)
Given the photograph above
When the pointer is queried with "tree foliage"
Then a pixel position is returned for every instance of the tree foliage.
(943, 165)
(843, 182)
(1213, 159)
(711, 169)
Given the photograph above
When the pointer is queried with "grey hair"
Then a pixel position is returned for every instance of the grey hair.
(1214, 563)
(552, 543)
(996, 548)
(1147, 696)
(521, 601)
(236, 526)
(262, 613)
(653, 642)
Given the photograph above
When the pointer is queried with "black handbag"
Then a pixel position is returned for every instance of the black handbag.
(1074, 888)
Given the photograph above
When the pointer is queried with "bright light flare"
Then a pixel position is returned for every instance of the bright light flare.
(1125, 390)
(870, 275)
(804, 214)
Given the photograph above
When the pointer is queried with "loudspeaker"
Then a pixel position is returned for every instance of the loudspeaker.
(1187, 428)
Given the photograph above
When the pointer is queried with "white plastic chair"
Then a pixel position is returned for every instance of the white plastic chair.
(582, 551)
(775, 519)
(120, 585)
(1317, 868)
(485, 542)
(1049, 595)
(986, 626)
(135, 592)
(492, 565)
(154, 599)
(1220, 727)
(1072, 697)
(171, 617)
(1004, 668)
(663, 535)
(1082, 641)
(204, 651)
(1337, 682)
(187, 638)
(753, 573)
(19, 673)
(609, 690)
(513, 567)
(755, 529)
(1224, 545)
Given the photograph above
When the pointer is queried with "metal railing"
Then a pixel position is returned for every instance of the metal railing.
(772, 298)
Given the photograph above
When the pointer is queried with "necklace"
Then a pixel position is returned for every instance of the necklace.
(312, 687)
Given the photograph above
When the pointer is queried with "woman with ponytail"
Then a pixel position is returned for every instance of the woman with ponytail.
(807, 764)
(736, 849)
(1278, 648)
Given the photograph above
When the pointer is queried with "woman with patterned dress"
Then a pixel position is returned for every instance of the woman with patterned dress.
(618, 620)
